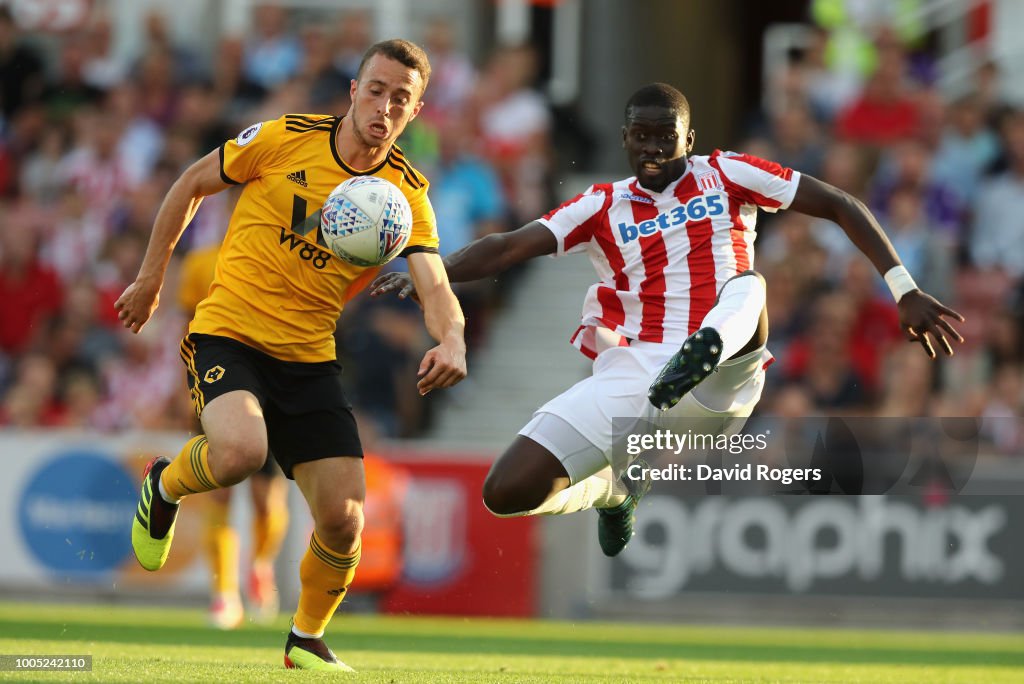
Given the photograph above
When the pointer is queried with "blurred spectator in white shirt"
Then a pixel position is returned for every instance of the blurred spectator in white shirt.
(141, 141)
(995, 241)
(829, 90)
(102, 68)
(515, 127)
(967, 147)
(76, 237)
(94, 167)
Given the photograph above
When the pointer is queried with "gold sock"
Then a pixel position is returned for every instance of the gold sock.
(220, 541)
(189, 473)
(325, 577)
(268, 530)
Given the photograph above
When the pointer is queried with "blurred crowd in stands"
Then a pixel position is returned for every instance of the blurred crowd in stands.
(89, 145)
(944, 176)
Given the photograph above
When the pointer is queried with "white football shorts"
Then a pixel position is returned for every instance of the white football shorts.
(577, 425)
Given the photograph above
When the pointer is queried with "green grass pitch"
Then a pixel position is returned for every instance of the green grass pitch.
(174, 645)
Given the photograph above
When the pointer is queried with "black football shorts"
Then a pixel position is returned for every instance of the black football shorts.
(307, 415)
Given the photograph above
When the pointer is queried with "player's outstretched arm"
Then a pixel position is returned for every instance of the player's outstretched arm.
(445, 364)
(140, 299)
(481, 258)
(922, 317)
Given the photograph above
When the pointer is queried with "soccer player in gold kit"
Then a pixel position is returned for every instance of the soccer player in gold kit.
(268, 491)
(260, 350)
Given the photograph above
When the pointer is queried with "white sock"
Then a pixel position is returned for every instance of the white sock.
(601, 490)
(164, 495)
(720, 390)
(737, 313)
(305, 635)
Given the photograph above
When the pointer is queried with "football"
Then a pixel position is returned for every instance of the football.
(366, 221)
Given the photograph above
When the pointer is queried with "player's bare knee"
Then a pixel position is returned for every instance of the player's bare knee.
(233, 459)
(522, 478)
(339, 524)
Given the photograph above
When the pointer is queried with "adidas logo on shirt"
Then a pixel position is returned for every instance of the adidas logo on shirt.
(298, 177)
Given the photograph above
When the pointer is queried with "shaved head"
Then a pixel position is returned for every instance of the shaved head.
(659, 95)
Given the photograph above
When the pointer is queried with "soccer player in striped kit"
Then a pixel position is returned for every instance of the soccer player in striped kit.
(677, 321)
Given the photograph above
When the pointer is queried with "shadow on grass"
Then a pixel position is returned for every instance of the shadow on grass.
(441, 642)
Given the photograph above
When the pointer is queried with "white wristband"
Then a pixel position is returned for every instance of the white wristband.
(899, 281)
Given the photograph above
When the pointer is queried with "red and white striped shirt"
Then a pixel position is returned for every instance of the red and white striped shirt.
(663, 256)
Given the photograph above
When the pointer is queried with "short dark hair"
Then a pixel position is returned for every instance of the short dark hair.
(659, 95)
(403, 51)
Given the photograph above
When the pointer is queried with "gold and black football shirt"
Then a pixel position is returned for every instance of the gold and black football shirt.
(276, 286)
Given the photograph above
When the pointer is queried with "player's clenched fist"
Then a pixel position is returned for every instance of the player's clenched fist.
(442, 366)
(137, 303)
